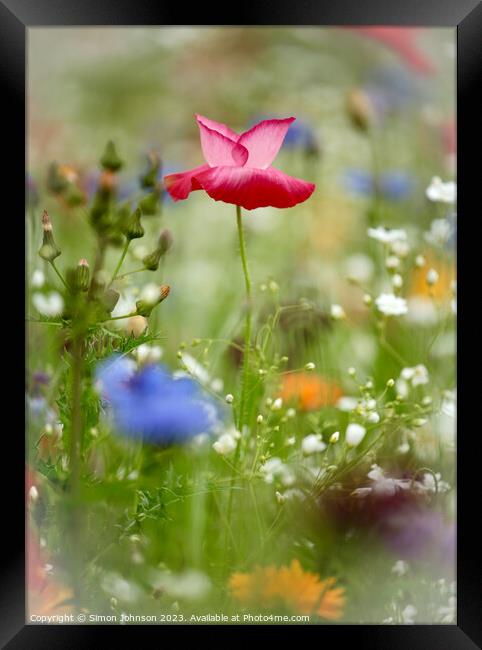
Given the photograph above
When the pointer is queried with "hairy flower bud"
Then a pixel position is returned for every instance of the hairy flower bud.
(151, 261)
(150, 298)
(149, 179)
(49, 249)
(132, 227)
(82, 275)
(110, 159)
(360, 109)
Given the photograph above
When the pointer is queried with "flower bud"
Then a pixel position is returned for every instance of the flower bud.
(49, 249)
(132, 227)
(149, 179)
(110, 159)
(56, 182)
(149, 299)
(360, 109)
(151, 261)
(82, 275)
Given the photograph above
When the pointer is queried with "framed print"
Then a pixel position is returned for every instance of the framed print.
(240, 322)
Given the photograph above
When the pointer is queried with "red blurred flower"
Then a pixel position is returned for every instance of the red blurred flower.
(400, 40)
(238, 168)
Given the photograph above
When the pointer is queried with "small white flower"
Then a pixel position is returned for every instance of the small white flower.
(346, 403)
(400, 248)
(408, 614)
(259, 419)
(280, 498)
(337, 312)
(310, 366)
(354, 434)
(400, 568)
(432, 277)
(229, 398)
(373, 418)
(392, 262)
(387, 236)
(419, 261)
(391, 305)
(275, 468)
(290, 413)
(290, 441)
(312, 444)
(417, 376)
(334, 437)
(38, 279)
(48, 304)
(439, 233)
(225, 444)
(397, 281)
(277, 404)
(441, 192)
(33, 493)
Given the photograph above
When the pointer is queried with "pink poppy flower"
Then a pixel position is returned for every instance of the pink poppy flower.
(402, 41)
(238, 168)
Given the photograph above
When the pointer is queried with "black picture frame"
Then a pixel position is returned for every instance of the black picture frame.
(16, 16)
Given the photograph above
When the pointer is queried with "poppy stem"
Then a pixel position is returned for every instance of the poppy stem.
(247, 326)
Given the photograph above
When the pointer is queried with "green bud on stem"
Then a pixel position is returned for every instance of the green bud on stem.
(49, 249)
(147, 303)
(151, 261)
(110, 159)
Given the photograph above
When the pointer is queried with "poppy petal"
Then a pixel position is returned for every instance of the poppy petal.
(264, 140)
(220, 150)
(254, 188)
(217, 126)
(182, 184)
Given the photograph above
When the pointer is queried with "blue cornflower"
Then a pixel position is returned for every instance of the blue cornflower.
(151, 405)
(395, 185)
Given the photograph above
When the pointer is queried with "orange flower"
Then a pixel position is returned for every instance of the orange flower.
(442, 289)
(308, 391)
(291, 587)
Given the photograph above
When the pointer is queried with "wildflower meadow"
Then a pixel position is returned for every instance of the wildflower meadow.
(241, 316)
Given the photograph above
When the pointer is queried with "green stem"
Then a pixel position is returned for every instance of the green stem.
(121, 260)
(53, 265)
(247, 326)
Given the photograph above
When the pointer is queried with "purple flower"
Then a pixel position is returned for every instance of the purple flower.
(151, 405)
(418, 533)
